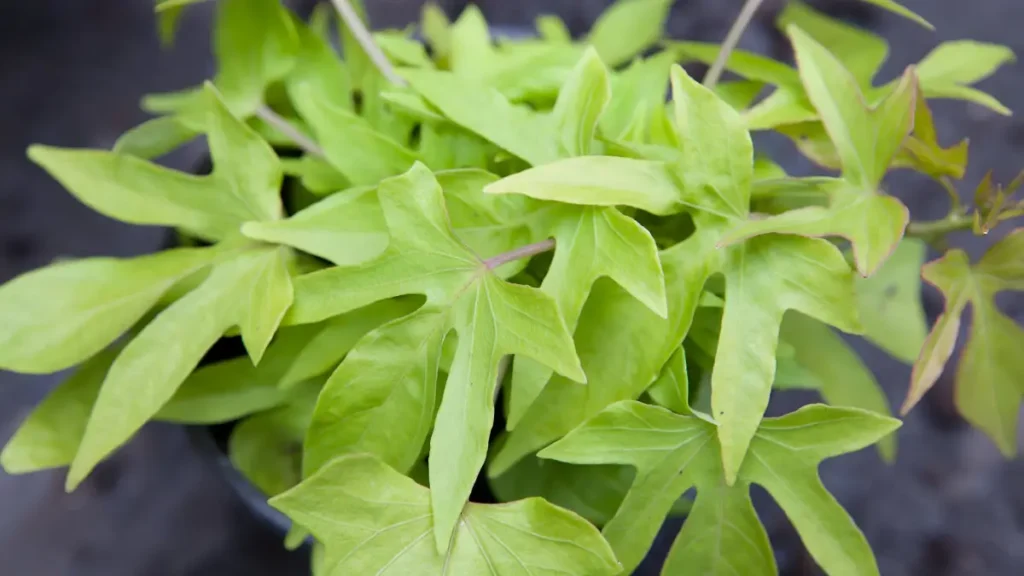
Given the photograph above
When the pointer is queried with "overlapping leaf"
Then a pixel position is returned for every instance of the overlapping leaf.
(722, 535)
(373, 520)
(627, 28)
(765, 276)
(988, 379)
(591, 242)
(491, 317)
(867, 140)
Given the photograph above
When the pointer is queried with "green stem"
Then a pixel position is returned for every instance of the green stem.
(731, 40)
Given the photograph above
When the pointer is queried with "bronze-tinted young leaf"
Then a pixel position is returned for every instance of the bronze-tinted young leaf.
(988, 383)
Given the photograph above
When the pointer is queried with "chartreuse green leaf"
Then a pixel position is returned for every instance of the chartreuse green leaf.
(228, 390)
(949, 70)
(374, 520)
(351, 144)
(591, 241)
(580, 104)
(472, 53)
(867, 140)
(486, 112)
(267, 447)
(838, 372)
(381, 400)
(747, 64)
(241, 291)
(897, 8)
(551, 28)
(403, 50)
(988, 384)
(639, 88)
(858, 51)
(627, 28)
(491, 317)
(722, 535)
(319, 69)
(50, 436)
(255, 43)
(890, 304)
(764, 277)
(346, 228)
(58, 316)
(244, 186)
(154, 138)
(437, 31)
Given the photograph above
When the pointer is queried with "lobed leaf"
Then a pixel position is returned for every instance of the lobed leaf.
(374, 520)
(627, 28)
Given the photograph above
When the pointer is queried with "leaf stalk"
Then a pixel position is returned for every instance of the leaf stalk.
(732, 39)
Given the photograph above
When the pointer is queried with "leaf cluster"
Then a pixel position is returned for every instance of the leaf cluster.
(512, 263)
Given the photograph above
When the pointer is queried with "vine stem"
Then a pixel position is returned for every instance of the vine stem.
(731, 40)
(521, 252)
(285, 127)
(365, 39)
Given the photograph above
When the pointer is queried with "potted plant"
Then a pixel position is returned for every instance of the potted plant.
(509, 304)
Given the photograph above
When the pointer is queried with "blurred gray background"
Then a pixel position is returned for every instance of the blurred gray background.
(72, 74)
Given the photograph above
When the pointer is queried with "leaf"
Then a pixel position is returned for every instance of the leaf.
(50, 436)
(346, 228)
(381, 400)
(673, 453)
(922, 151)
(228, 390)
(245, 184)
(988, 389)
(867, 141)
(857, 50)
(747, 64)
(255, 43)
(580, 104)
(552, 29)
(486, 112)
(153, 365)
(840, 374)
(58, 316)
(351, 144)
(154, 138)
(949, 70)
(270, 297)
(897, 8)
(627, 28)
(643, 84)
(403, 50)
(672, 388)
(267, 447)
(764, 277)
(590, 243)
(599, 181)
(492, 318)
(374, 520)
(471, 50)
(890, 306)
(437, 32)
(593, 492)
(319, 71)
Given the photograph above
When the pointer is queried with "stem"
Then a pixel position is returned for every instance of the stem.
(285, 127)
(365, 39)
(731, 40)
(521, 252)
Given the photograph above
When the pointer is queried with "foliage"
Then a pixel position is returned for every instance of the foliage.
(520, 270)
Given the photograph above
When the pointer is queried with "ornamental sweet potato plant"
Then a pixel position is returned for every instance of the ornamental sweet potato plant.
(503, 304)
